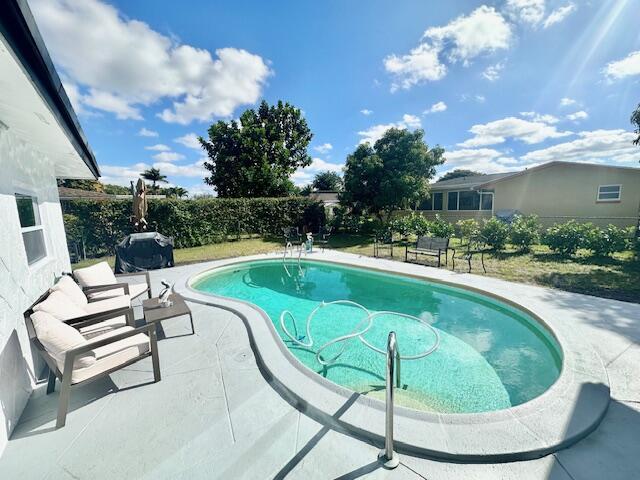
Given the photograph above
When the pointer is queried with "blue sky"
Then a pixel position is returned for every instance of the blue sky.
(502, 85)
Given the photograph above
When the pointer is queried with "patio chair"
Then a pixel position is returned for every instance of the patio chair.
(322, 238)
(291, 235)
(99, 282)
(430, 246)
(476, 245)
(76, 360)
(383, 241)
(65, 304)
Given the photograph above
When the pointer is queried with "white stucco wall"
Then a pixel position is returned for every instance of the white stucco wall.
(22, 168)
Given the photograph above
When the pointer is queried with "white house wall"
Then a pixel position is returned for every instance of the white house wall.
(23, 169)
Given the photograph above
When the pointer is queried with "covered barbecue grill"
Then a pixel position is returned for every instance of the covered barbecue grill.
(144, 251)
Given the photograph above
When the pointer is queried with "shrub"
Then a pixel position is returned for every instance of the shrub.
(525, 231)
(605, 241)
(496, 233)
(441, 228)
(468, 228)
(566, 238)
(192, 223)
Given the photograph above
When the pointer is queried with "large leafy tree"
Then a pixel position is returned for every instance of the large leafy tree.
(390, 175)
(328, 181)
(458, 173)
(255, 155)
(154, 176)
(635, 120)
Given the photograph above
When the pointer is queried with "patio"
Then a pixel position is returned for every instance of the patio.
(214, 415)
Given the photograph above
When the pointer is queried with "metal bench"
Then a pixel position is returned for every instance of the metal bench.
(430, 246)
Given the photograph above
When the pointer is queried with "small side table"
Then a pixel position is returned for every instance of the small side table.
(153, 312)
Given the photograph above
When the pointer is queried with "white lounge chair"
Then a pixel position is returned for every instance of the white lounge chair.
(76, 356)
(99, 282)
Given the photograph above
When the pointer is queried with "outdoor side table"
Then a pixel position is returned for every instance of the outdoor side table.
(153, 312)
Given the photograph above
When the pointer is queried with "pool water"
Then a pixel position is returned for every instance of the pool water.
(491, 355)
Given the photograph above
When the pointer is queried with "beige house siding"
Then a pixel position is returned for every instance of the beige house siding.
(560, 192)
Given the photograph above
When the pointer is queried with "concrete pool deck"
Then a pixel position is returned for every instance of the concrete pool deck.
(214, 415)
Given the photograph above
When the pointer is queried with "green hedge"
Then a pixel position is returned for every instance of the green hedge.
(191, 223)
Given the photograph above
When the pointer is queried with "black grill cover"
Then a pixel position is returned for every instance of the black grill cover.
(144, 251)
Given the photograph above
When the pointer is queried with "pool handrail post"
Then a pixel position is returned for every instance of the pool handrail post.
(388, 455)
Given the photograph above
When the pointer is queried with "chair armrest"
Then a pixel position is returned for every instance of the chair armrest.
(135, 274)
(74, 352)
(103, 288)
(93, 318)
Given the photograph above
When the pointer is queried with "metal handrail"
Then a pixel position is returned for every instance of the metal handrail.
(388, 455)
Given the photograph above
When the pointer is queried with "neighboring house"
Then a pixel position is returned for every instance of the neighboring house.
(40, 141)
(555, 191)
(329, 198)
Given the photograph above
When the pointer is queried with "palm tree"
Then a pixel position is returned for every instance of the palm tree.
(177, 192)
(154, 175)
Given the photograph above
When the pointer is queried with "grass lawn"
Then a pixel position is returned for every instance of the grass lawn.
(616, 277)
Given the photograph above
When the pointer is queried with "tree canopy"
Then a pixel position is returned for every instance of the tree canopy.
(327, 180)
(390, 175)
(255, 155)
(635, 120)
(458, 173)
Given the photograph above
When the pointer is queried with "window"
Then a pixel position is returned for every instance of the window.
(486, 201)
(31, 227)
(469, 200)
(452, 201)
(434, 202)
(609, 193)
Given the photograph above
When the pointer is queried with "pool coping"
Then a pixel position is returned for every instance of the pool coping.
(567, 412)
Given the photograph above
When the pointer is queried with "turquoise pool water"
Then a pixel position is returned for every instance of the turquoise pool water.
(491, 355)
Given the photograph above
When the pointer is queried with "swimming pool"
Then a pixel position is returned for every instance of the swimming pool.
(491, 355)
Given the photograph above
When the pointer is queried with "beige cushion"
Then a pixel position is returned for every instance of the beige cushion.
(70, 288)
(91, 331)
(98, 274)
(135, 289)
(113, 303)
(60, 306)
(58, 338)
(114, 354)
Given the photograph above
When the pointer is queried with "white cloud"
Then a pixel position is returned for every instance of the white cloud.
(628, 66)
(110, 102)
(193, 170)
(484, 160)
(492, 72)
(419, 65)
(514, 128)
(559, 14)
(366, 111)
(303, 176)
(117, 175)
(375, 133)
(190, 140)
(465, 97)
(581, 115)
(168, 156)
(526, 11)
(482, 31)
(125, 64)
(596, 146)
(147, 133)
(567, 102)
(324, 148)
(538, 117)
(435, 108)
(159, 147)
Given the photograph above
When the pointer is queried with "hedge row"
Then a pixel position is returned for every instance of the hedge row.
(191, 223)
